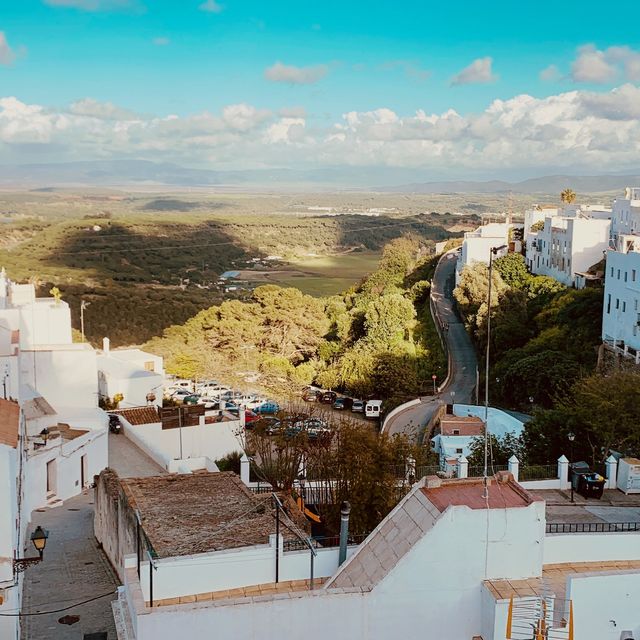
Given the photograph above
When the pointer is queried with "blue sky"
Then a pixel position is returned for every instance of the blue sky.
(159, 57)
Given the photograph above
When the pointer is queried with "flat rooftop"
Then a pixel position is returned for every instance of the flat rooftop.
(503, 492)
(200, 512)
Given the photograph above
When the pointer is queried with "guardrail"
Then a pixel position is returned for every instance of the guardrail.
(320, 542)
(592, 527)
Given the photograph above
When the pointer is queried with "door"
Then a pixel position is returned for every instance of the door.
(52, 476)
(83, 470)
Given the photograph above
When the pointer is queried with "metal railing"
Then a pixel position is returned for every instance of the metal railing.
(430, 470)
(538, 472)
(478, 472)
(592, 527)
(320, 542)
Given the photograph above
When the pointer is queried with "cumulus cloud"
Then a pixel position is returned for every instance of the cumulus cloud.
(584, 130)
(161, 41)
(291, 74)
(94, 5)
(592, 65)
(211, 6)
(550, 73)
(478, 72)
(7, 55)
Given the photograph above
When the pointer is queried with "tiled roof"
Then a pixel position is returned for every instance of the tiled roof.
(139, 415)
(389, 542)
(503, 493)
(9, 422)
(465, 425)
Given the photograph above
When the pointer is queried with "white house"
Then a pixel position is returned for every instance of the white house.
(568, 244)
(625, 218)
(621, 309)
(477, 244)
(136, 374)
(447, 562)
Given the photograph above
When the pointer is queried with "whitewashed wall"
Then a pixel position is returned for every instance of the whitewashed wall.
(591, 547)
(605, 605)
(212, 441)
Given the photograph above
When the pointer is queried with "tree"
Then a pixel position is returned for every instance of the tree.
(513, 270)
(537, 226)
(500, 450)
(568, 196)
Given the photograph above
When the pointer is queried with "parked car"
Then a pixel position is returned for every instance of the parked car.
(357, 406)
(328, 397)
(180, 384)
(269, 407)
(342, 403)
(194, 398)
(312, 395)
(181, 394)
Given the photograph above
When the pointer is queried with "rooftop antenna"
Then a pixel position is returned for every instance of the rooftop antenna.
(485, 491)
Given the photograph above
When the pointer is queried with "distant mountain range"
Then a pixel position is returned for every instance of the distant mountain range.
(130, 173)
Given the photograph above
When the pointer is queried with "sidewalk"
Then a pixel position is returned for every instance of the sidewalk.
(73, 569)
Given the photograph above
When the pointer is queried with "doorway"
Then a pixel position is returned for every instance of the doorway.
(52, 476)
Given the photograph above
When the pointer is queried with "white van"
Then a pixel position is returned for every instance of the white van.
(373, 408)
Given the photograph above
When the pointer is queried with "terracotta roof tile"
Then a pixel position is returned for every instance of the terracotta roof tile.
(464, 425)
(139, 415)
(9, 422)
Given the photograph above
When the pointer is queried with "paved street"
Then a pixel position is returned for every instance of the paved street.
(462, 374)
(74, 568)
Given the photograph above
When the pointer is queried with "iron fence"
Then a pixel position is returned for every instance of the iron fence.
(320, 542)
(538, 472)
(478, 472)
(592, 527)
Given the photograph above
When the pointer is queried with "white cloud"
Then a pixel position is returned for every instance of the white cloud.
(581, 130)
(591, 65)
(291, 74)
(161, 41)
(7, 55)
(94, 5)
(211, 6)
(550, 73)
(478, 72)
(410, 68)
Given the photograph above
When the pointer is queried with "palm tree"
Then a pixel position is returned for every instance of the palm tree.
(568, 196)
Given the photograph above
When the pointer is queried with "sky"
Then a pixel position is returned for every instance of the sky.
(467, 89)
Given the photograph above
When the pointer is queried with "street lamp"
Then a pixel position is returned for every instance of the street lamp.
(433, 377)
(492, 252)
(572, 437)
(39, 539)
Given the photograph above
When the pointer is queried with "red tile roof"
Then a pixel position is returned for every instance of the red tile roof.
(139, 415)
(9, 422)
(465, 425)
(503, 493)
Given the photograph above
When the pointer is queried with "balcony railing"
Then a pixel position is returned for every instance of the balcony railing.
(321, 542)
(592, 527)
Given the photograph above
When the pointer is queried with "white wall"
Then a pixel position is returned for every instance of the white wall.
(622, 298)
(68, 467)
(212, 441)
(65, 377)
(45, 322)
(8, 510)
(133, 387)
(591, 547)
(605, 605)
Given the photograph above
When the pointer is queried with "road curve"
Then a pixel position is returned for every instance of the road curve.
(461, 380)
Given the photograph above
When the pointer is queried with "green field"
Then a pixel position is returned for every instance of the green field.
(328, 275)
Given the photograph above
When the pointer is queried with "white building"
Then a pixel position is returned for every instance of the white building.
(446, 562)
(569, 243)
(58, 435)
(625, 218)
(136, 374)
(477, 244)
(621, 309)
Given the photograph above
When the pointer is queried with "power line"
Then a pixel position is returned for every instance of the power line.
(45, 613)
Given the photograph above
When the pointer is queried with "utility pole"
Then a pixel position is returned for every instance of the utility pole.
(83, 305)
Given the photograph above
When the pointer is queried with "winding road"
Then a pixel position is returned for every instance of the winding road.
(461, 380)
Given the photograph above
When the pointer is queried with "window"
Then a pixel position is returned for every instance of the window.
(624, 306)
(609, 303)
(456, 432)
(633, 275)
(612, 272)
(625, 276)
(618, 274)
(149, 365)
(617, 303)
(458, 450)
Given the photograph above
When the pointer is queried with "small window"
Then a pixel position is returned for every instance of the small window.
(617, 303)
(150, 365)
(625, 276)
(624, 306)
(633, 275)
(612, 272)
(618, 274)
(458, 450)
(456, 432)
(609, 303)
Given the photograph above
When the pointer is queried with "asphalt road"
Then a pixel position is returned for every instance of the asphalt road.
(460, 386)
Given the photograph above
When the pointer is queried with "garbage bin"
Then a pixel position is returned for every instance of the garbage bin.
(591, 485)
(578, 470)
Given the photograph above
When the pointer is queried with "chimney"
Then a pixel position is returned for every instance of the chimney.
(105, 345)
(345, 510)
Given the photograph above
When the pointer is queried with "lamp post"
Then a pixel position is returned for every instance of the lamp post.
(433, 377)
(5, 375)
(83, 305)
(39, 539)
(572, 437)
(493, 252)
